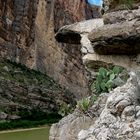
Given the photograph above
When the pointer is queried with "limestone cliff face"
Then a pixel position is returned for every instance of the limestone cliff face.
(27, 30)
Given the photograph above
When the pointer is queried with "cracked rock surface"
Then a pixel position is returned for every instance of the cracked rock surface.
(119, 119)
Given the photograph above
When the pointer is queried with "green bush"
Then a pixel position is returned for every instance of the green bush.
(106, 79)
(65, 109)
(84, 104)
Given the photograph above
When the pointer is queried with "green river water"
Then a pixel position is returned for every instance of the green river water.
(35, 134)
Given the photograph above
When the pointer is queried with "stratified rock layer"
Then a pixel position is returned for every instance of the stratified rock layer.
(72, 33)
(24, 92)
(119, 38)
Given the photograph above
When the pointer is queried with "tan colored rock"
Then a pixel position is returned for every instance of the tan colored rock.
(94, 60)
(120, 38)
(120, 16)
(115, 5)
(72, 33)
(69, 127)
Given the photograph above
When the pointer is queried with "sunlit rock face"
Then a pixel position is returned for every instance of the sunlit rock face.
(27, 30)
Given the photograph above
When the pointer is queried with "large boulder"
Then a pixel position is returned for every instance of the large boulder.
(72, 33)
(119, 38)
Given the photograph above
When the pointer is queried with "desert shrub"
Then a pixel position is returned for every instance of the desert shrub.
(65, 109)
(107, 79)
(84, 104)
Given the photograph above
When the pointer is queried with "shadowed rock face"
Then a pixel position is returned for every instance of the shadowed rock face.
(69, 37)
(57, 59)
(73, 33)
(27, 30)
(17, 23)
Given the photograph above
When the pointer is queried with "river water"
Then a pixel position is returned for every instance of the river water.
(35, 134)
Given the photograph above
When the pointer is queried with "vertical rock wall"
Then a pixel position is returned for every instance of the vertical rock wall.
(27, 30)
(58, 60)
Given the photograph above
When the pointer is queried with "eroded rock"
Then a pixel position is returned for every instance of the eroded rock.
(72, 33)
(117, 120)
(69, 127)
(120, 38)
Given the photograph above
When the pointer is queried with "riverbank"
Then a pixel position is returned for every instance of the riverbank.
(39, 133)
(23, 124)
(26, 129)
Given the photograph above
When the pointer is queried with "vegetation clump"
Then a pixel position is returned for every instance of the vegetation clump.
(108, 79)
(21, 74)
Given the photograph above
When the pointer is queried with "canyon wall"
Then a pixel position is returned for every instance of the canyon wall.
(27, 36)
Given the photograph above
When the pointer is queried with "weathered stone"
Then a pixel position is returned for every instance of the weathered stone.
(120, 16)
(116, 128)
(23, 90)
(69, 127)
(115, 5)
(118, 118)
(72, 33)
(120, 38)
(95, 61)
(27, 30)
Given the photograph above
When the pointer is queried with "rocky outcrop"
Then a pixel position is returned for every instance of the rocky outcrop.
(100, 47)
(69, 127)
(119, 116)
(27, 30)
(115, 5)
(120, 39)
(73, 34)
